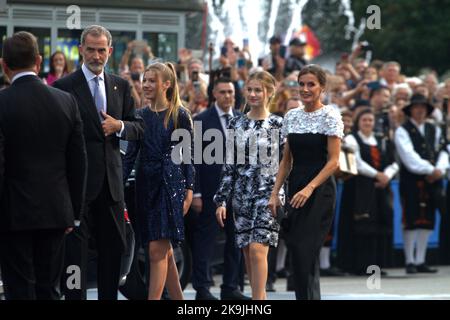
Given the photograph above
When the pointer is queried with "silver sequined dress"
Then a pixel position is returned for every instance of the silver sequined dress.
(249, 183)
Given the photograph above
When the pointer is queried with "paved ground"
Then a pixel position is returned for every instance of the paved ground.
(396, 286)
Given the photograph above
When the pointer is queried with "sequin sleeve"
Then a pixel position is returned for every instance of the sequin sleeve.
(285, 126)
(188, 168)
(333, 124)
(225, 189)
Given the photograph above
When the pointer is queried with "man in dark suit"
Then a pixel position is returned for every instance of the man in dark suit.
(203, 225)
(108, 114)
(42, 174)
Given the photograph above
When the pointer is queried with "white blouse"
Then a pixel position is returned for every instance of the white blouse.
(363, 167)
(411, 159)
(326, 120)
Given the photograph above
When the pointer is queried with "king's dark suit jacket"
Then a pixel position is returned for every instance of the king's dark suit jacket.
(104, 152)
(42, 157)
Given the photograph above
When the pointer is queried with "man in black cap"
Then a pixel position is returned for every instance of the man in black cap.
(424, 161)
(274, 62)
(296, 59)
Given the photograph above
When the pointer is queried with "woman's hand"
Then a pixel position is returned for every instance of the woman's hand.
(187, 201)
(382, 180)
(300, 198)
(274, 203)
(221, 215)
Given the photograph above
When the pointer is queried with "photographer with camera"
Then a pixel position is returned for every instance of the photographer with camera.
(196, 87)
(139, 50)
(379, 99)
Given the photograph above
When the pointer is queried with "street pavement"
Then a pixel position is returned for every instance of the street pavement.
(397, 285)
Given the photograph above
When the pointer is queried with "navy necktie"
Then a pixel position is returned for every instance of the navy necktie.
(99, 98)
(227, 119)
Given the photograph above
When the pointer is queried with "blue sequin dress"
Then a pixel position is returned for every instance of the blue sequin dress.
(160, 183)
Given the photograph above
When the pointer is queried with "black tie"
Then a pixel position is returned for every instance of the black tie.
(227, 119)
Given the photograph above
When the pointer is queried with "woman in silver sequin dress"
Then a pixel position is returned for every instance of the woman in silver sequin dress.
(248, 183)
(311, 155)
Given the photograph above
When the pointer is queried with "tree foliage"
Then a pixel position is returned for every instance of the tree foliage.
(416, 33)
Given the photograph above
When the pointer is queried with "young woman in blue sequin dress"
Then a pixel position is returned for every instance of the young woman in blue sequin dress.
(163, 186)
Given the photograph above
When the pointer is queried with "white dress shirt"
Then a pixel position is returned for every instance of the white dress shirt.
(89, 75)
(411, 159)
(22, 74)
(221, 114)
(363, 167)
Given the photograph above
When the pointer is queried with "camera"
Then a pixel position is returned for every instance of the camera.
(365, 46)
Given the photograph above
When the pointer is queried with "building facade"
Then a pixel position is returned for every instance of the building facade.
(162, 24)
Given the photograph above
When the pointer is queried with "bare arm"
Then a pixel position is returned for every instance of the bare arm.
(334, 147)
(126, 57)
(284, 169)
(283, 172)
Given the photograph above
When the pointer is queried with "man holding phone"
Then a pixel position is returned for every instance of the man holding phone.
(274, 63)
(296, 59)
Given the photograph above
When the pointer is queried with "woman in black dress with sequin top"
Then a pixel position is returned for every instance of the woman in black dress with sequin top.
(310, 157)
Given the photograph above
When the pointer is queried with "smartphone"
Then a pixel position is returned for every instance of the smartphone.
(373, 85)
(223, 51)
(194, 76)
(226, 73)
(283, 51)
(245, 42)
(241, 63)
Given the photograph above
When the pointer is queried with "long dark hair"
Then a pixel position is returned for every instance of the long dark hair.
(52, 67)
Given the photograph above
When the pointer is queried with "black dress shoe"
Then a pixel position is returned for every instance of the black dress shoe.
(204, 294)
(283, 273)
(290, 283)
(233, 295)
(423, 268)
(270, 287)
(410, 268)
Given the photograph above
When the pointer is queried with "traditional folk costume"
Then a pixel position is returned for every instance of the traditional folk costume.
(421, 149)
(366, 223)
